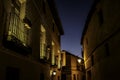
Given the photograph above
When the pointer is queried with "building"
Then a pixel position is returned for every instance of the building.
(101, 41)
(29, 39)
(72, 67)
(55, 48)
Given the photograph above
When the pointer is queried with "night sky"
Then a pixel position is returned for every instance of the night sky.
(73, 14)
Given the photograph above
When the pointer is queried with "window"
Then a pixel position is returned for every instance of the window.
(83, 77)
(12, 73)
(42, 42)
(78, 77)
(44, 6)
(42, 76)
(107, 51)
(64, 77)
(48, 52)
(53, 53)
(100, 16)
(92, 60)
(58, 77)
(17, 33)
(56, 60)
(74, 77)
(59, 60)
(89, 75)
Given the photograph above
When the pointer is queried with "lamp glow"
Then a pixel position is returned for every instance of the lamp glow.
(27, 26)
(79, 60)
(54, 73)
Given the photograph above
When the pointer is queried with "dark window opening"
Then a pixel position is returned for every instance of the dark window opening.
(44, 7)
(100, 16)
(83, 77)
(89, 75)
(74, 77)
(63, 77)
(56, 60)
(92, 60)
(58, 77)
(12, 73)
(107, 50)
(78, 76)
(42, 77)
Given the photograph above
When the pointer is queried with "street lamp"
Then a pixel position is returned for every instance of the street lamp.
(54, 73)
(79, 60)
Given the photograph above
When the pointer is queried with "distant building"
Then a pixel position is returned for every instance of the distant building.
(101, 41)
(30, 35)
(71, 68)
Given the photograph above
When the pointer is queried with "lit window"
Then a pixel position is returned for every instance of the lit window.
(17, 32)
(53, 53)
(42, 43)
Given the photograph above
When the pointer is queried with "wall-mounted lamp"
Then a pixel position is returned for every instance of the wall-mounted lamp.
(48, 47)
(27, 26)
(79, 60)
(54, 73)
(27, 23)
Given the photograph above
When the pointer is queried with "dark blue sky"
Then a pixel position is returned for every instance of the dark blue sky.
(73, 14)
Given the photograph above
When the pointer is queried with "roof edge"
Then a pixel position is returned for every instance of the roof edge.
(90, 14)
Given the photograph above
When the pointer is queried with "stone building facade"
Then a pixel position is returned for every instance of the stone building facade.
(72, 69)
(30, 34)
(101, 40)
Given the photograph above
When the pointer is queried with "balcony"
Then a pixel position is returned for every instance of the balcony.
(17, 36)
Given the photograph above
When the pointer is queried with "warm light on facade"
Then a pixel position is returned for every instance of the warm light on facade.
(22, 1)
(54, 73)
(79, 60)
(27, 26)
(17, 29)
(48, 49)
(58, 51)
(59, 60)
(63, 58)
(42, 42)
(53, 53)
